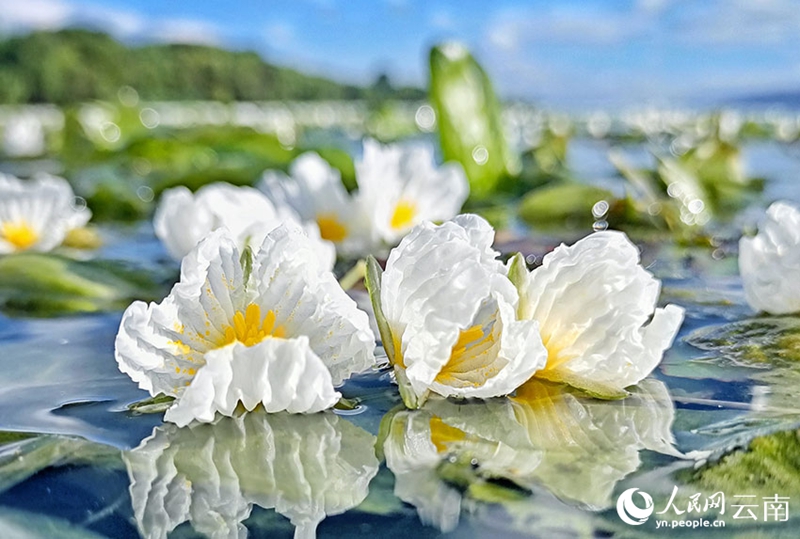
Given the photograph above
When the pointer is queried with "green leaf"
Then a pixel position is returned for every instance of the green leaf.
(468, 115)
(153, 405)
(559, 205)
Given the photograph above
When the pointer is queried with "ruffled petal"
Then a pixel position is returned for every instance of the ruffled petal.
(152, 359)
(499, 364)
(279, 374)
(435, 282)
(307, 300)
(593, 302)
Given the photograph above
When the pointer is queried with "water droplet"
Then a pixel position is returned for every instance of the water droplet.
(78, 203)
(425, 118)
(145, 193)
(150, 118)
(599, 225)
(110, 131)
(599, 209)
(480, 154)
(696, 206)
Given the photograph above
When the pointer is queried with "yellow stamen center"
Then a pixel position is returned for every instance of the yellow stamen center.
(467, 365)
(19, 234)
(555, 345)
(403, 215)
(250, 328)
(330, 227)
(442, 434)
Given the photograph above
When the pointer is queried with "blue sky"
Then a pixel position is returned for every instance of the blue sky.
(558, 52)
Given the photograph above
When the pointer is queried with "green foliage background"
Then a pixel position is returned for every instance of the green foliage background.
(73, 65)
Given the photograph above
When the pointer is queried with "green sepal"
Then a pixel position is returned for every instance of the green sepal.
(372, 279)
(518, 275)
(246, 261)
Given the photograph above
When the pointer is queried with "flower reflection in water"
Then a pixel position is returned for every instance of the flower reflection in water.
(304, 466)
(576, 447)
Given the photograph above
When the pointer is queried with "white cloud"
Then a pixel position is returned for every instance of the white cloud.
(740, 22)
(25, 15)
(34, 14)
(563, 24)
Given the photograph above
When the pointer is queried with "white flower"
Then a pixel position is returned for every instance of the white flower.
(182, 219)
(37, 214)
(276, 330)
(305, 467)
(24, 136)
(770, 262)
(450, 312)
(314, 190)
(400, 187)
(596, 309)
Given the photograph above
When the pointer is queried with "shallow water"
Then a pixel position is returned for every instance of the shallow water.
(550, 467)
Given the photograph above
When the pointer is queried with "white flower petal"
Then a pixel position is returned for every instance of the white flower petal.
(182, 219)
(309, 301)
(315, 191)
(178, 223)
(435, 282)
(151, 359)
(280, 374)
(281, 335)
(770, 262)
(405, 177)
(593, 301)
(212, 279)
(516, 355)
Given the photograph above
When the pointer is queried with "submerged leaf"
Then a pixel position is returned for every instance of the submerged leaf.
(21, 460)
(770, 465)
(48, 285)
(566, 204)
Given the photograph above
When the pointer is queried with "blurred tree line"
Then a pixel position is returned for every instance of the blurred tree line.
(75, 65)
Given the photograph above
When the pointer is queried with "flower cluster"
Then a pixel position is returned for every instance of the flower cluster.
(457, 322)
(398, 188)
